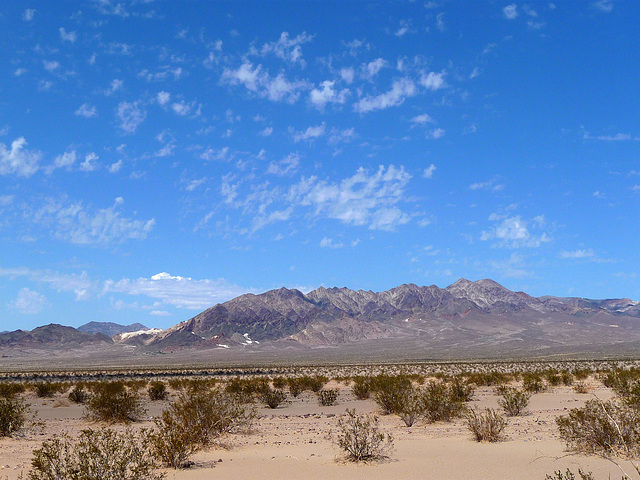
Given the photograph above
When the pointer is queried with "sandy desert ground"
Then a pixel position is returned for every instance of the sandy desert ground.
(291, 442)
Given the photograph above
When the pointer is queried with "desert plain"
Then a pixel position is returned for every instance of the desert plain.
(294, 441)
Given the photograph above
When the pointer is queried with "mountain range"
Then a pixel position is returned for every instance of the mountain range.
(480, 316)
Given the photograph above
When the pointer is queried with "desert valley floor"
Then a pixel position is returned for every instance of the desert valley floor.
(292, 441)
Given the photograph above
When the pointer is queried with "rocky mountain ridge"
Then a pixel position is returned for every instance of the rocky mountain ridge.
(480, 315)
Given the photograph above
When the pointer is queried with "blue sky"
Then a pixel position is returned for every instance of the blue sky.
(159, 157)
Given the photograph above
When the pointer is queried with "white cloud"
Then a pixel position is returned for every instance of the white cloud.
(362, 199)
(266, 132)
(328, 243)
(181, 292)
(81, 285)
(437, 133)
(75, 223)
(371, 69)
(327, 94)
(163, 97)
(18, 160)
(288, 49)
(605, 6)
(193, 184)
(89, 164)
(585, 253)
(211, 154)
(513, 232)
(28, 14)
(50, 66)
(29, 302)
(66, 160)
(67, 36)
(310, 133)
(338, 135)
(429, 171)
(260, 82)
(432, 81)
(86, 110)
(400, 90)
(490, 185)
(131, 115)
(510, 12)
(285, 167)
(422, 119)
(115, 167)
(347, 74)
(19, 71)
(115, 85)
(181, 108)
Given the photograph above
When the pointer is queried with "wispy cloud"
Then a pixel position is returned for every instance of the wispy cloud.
(514, 232)
(131, 115)
(258, 81)
(400, 90)
(86, 110)
(29, 302)
(17, 160)
(510, 12)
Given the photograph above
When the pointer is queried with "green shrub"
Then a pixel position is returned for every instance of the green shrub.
(273, 398)
(461, 391)
(78, 394)
(558, 475)
(247, 389)
(532, 382)
(412, 408)
(296, 386)
(327, 397)
(112, 402)
(11, 389)
(513, 401)
(46, 389)
(601, 427)
(194, 421)
(279, 383)
(361, 388)
(486, 426)
(13, 415)
(157, 391)
(360, 438)
(96, 455)
(390, 392)
(439, 403)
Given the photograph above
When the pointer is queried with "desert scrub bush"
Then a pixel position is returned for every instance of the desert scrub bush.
(78, 394)
(273, 398)
(95, 455)
(513, 401)
(247, 389)
(460, 390)
(46, 389)
(486, 426)
(360, 438)
(112, 402)
(279, 383)
(412, 408)
(390, 392)
(490, 379)
(157, 391)
(439, 403)
(11, 389)
(361, 388)
(568, 475)
(194, 421)
(580, 387)
(328, 397)
(532, 382)
(13, 415)
(296, 386)
(603, 428)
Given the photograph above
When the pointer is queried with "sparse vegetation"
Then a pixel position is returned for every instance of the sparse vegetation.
(602, 427)
(327, 397)
(11, 389)
(513, 401)
(439, 402)
(568, 475)
(486, 426)
(78, 394)
(13, 415)
(194, 421)
(157, 391)
(360, 438)
(361, 388)
(96, 455)
(273, 398)
(390, 392)
(112, 402)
